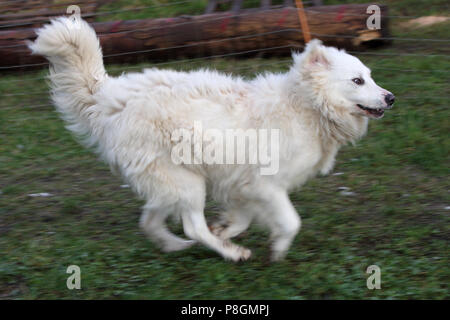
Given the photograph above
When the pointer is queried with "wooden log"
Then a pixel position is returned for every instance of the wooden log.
(214, 34)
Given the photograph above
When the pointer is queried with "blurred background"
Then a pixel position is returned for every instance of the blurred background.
(386, 203)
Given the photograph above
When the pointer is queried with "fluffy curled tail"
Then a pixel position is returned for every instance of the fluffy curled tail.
(76, 68)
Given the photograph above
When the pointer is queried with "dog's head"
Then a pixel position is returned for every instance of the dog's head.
(343, 80)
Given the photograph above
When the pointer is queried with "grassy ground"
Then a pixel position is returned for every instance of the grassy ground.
(396, 218)
(167, 8)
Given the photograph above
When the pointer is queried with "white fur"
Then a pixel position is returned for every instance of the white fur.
(129, 119)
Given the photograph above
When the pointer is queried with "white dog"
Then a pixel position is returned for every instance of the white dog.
(323, 102)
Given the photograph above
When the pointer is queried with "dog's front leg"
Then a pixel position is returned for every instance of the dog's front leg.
(284, 223)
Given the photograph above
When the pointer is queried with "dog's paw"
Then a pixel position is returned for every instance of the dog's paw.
(245, 254)
(237, 253)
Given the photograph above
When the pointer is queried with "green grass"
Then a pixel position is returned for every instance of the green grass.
(162, 8)
(171, 8)
(397, 218)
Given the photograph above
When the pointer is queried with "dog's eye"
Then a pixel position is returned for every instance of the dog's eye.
(358, 81)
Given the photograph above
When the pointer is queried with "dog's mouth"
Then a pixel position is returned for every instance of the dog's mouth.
(375, 113)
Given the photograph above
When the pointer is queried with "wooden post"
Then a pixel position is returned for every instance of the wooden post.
(265, 4)
(303, 21)
(212, 4)
(237, 5)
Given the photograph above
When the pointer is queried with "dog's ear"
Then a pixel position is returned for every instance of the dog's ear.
(315, 55)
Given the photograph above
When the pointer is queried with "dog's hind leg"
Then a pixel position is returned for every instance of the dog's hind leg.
(177, 190)
(152, 221)
(191, 203)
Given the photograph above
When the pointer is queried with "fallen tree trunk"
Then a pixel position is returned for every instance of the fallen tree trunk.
(274, 31)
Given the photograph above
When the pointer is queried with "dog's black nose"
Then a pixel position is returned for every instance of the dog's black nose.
(389, 98)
